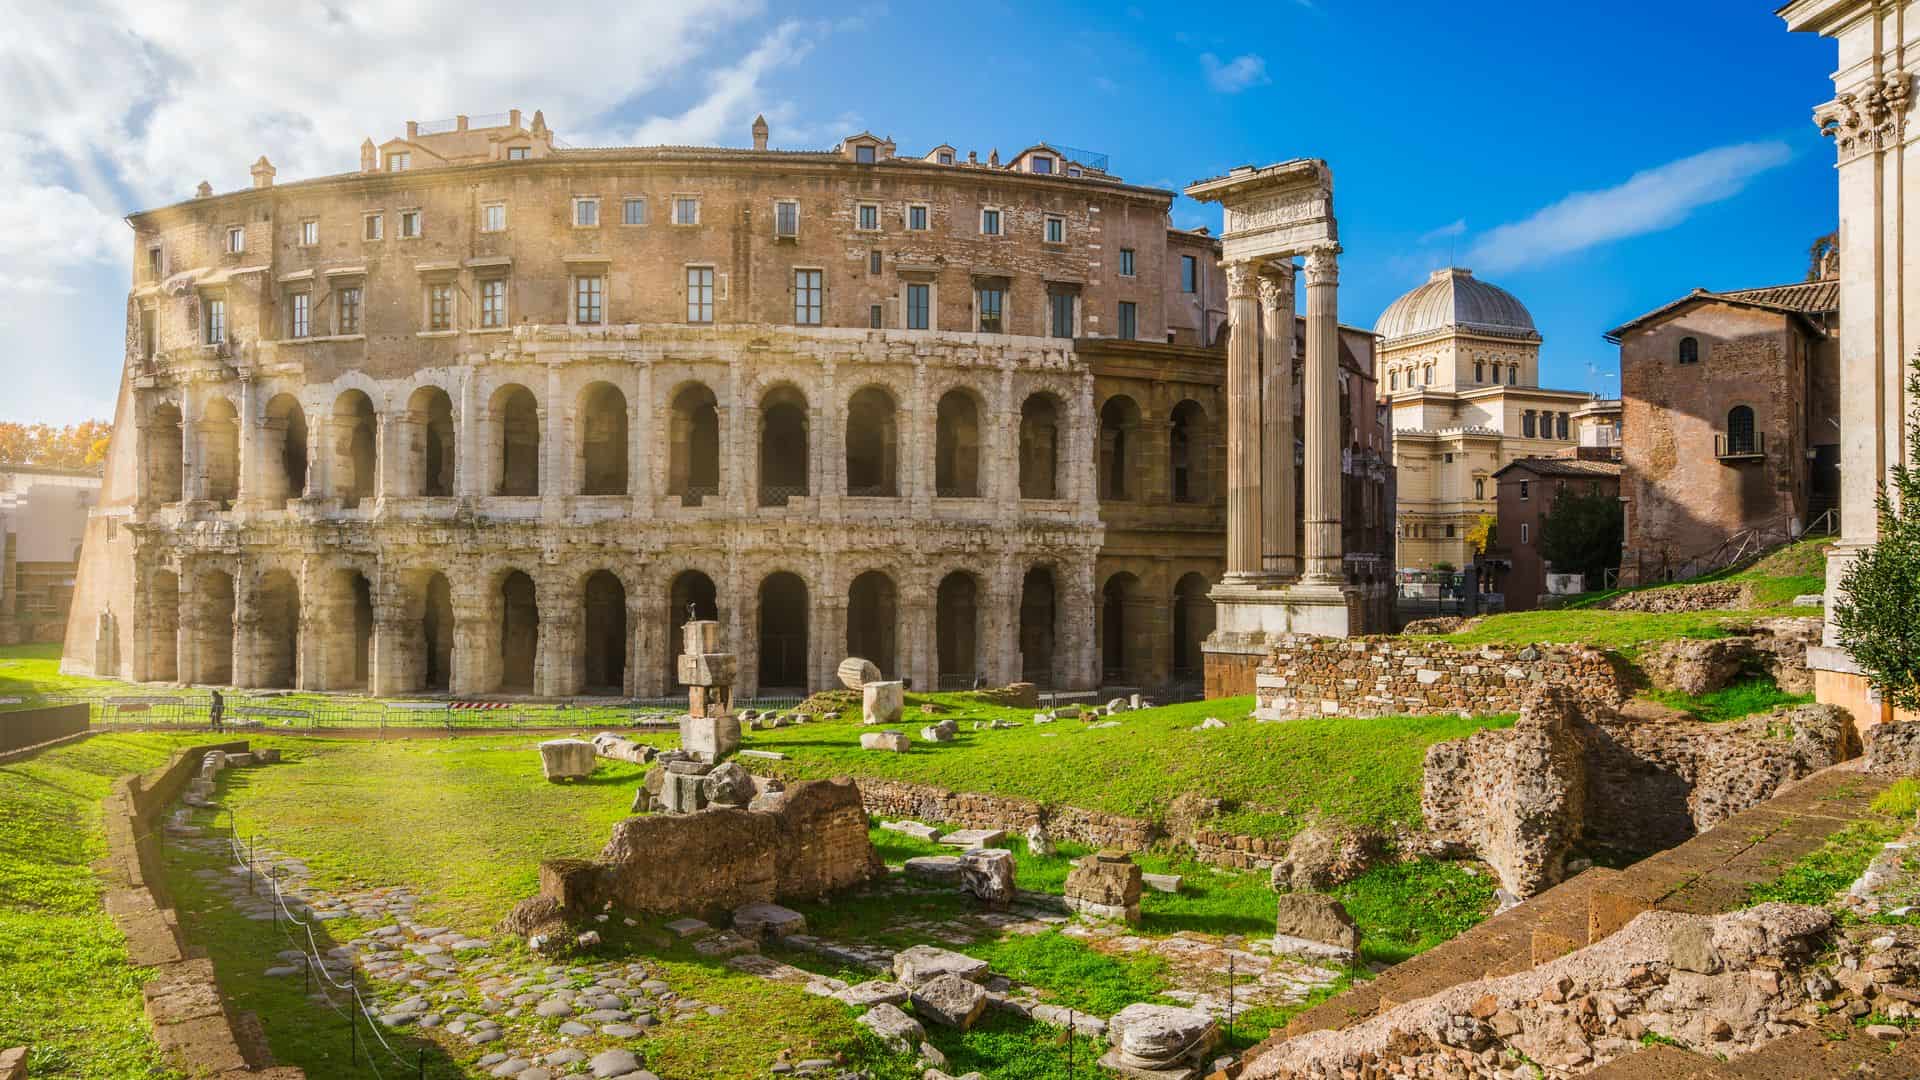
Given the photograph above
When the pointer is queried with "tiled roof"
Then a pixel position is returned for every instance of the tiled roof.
(1809, 297)
(1573, 467)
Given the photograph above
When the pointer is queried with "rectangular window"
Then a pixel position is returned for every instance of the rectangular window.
(1056, 230)
(493, 217)
(586, 213)
(869, 218)
(376, 226)
(1043, 165)
(989, 223)
(917, 219)
(874, 264)
(1126, 262)
(1560, 426)
(347, 310)
(1525, 489)
(686, 210)
(409, 224)
(493, 303)
(806, 297)
(1189, 274)
(516, 153)
(946, 157)
(149, 332)
(440, 307)
(699, 294)
(1527, 424)
(1448, 458)
(399, 162)
(633, 211)
(589, 295)
(992, 311)
(875, 315)
(216, 321)
(1060, 314)
(1523, 533)
(309, 233)
(786, 219)
(1449, 532)
(1129, 321)
(153, 264)
(863, 154)
(1479, 371)
(918, 298)
(299, 312)
(236, 240)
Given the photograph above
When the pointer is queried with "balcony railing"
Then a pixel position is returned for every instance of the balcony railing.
(1740, 447)
(698, 493)
(778, 494)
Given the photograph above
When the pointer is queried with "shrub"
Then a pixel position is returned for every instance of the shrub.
(1878, 611)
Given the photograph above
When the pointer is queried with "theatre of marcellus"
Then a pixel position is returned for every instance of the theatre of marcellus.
(492, 415)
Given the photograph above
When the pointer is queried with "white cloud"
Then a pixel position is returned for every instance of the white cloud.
(1647, 202)
(1454, 228)
(733, 97)
(1233, 76)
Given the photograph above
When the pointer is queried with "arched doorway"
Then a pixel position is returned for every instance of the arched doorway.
(872, 445)
(284, 436)
(165, 455)
(1119, 432)
(436, 633)
(1192, 622)
(219, 457)
(277, 646)
(1037, 627)
(603, 440)
(163, 627)
(956, 446)
(603, 645)
(872, 621)
(356, 457)
(693, 458)
(783, 446)
(515, 425)
(1040, 447)
(692, 595)
(430, 416)
(1125, 653)
(783, 633)
(957, 630)
(347, 610)
(1187, 453)
(519, 632)
(213, 637)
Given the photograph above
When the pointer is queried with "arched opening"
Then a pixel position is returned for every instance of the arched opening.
(1689, 350)
(213, 637)
(277, 644)
(1036, 627)
(347, 628)
(872, 625)
(783, 446)
(284, 445)
(1186, 453)
(431, 439)
(219, 456)
(604, 639)
(1740, 431)
(436, 633)
(873, 440)
(783, 633)
(693, 458)
(603, 440)
(163, 627)
(356, 455)
(957, 630)
(165, 452)
(692, 596)
(1125, 652)
(515, 424)
(1192, 622)
(519, 632)
(1119, 432)
(1040, 447)
(956, 446)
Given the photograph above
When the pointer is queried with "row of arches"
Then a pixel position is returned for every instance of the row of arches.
(202, 459)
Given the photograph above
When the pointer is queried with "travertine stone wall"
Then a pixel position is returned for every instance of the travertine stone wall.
(1386, 676)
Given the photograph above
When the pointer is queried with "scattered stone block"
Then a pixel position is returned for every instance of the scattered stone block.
(939, 869)
(1117, 705)
(919, 964)
(1166, 883)
(892, 741)
(1211, 723)
(882, 701)
(1039, 844)
(912, 828)
(950, 1001)
(727, 785)
(724, 943)
(1314, 926)
(872, 992)
(764, 755)
(900, 1032)
(975, 838)
(710, 738)
(1158, 1037)
(264, 756)
(944, 731)
(1103, 724)
(685, 928)
(856, 672)
(611, 1063)
(762, 920)
(987, 875)
(1079, 1022)
(1105, 885)
(566, 759)
(13, 1063)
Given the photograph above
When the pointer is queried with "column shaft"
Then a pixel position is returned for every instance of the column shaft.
(1322, 395)
(1243, 425)
(1277, 511)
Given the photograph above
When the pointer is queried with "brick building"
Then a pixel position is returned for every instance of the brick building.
(493, 415)
(1525, 492)
(43, 515)
(1731, 424)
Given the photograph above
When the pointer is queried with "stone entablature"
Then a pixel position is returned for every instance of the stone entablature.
(1391, 676)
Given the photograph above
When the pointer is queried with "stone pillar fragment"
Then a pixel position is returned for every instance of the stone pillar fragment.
(1322, 395)
(1276, 429)
(1243, 425)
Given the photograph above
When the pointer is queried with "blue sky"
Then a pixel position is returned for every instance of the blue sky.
(1596, 160)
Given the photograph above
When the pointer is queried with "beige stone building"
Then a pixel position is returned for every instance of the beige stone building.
(1868, 120)
(490, 415)
(43, 515)
(1459, 365)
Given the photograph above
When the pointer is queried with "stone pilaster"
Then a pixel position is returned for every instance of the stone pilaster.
(1277, 510)
(1321, 391)
(1243, 425)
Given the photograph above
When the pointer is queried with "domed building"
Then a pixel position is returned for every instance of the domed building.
(1458, 364)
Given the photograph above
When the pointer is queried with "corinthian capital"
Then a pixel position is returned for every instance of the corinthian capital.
(1323, 265)
(1871, 117)
(1240, 277)
(1276, 287)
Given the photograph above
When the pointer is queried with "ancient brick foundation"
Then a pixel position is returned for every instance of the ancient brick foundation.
(1388, 676)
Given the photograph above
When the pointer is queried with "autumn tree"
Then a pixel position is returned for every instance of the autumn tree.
(76, 446)
(1480, 533)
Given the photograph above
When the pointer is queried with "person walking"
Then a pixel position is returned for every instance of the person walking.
(216, 710)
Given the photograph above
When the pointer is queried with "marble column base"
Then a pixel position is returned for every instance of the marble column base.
(1242, 611)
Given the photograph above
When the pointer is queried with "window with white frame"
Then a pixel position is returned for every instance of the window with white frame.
(1126, 262)
(517, 153)
(1041, 164)
(876, 315)
(410, 224)
(493, 217)
(686, 210)
(589, 299)
(863, 154)
(633, 210)
(493, 303)
(990, 222)
(440, 306)
(919, 306)
(875, 261)
(586, 213)
(786, 218)
(399, 161)
(153, 264)
(868, 217)
(299, 314)
(216, 321)
(1060, 314)
(917, 219)
(807, 291)
(376, 226)
(346, 309)
(991, 300)
(1523, 534)
(699, 294)
(236, 239)
(1055, 230)
(946, 157)
(309, 232)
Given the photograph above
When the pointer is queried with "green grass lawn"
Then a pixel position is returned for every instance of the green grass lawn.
(27, 670)
(66, 986)
(1754, 694)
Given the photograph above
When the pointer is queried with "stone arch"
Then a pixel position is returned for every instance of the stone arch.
(429, 638)
(957, 612)
(956, 445)
(283, 437)
(431, 442)
(1126, 650)
(276, 633)
(1041, 433)
(782, 617)
(872, 444)
(1192, 621)
(1039, 625)
(692, 594)
(163, 626)
(213, 626)
(354, 431)
(693, 447)
(601, 427)
(218, 452)
(1187, 453)
(513, 419)
(873, 621)
(783, 445)
(519, 642)
(1119, 448)
(165, 452)
(346, 624)
(603, 633)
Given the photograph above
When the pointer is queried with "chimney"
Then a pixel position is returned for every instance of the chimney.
(205, 190)
(973, 157)
(513, 118)
(539, 130)
(369, 157)
(413, 130)
(263, 172)
(993, 159)
(459, 123)
(760, 132)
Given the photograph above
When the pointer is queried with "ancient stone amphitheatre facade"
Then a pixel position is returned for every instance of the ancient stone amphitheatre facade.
(494, 415)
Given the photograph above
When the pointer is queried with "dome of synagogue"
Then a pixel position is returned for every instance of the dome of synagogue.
(1453, 299)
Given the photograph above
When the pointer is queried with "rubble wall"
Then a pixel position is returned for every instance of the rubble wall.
(1395, 676)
